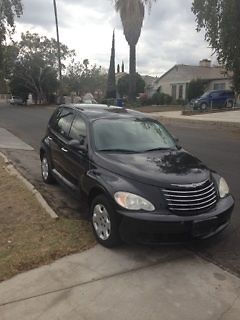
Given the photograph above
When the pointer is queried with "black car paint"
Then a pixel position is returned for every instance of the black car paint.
(90, 173)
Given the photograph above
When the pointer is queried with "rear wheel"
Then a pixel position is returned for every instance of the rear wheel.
(105, 222)
(229, 104)
(46, 171)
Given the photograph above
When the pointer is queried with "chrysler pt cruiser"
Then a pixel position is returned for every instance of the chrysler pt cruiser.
(140, 185)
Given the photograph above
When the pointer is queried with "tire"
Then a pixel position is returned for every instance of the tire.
(203, 106)
(229, 104)
(105, 222)
(46, 171)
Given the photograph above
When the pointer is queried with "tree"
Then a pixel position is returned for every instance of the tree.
(9, 9)
(81, 80)
(123, 85)
(35, 69)
(195, 89)
(9, 56)
(221, 21)
(132, 15)
(111, 82)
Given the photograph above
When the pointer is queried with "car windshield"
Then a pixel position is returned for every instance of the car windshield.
(205, 94)
(131, 135)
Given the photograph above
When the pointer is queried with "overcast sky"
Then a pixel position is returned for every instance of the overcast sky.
(168, 35)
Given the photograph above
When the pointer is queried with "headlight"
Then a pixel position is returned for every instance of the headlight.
(133, 202)
(223, 188)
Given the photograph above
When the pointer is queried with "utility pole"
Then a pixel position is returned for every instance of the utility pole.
(59, 54)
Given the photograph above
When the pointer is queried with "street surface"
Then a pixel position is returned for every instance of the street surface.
(219, 148)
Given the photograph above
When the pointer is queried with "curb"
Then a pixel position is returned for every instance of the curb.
(219, 124)
(13, 172)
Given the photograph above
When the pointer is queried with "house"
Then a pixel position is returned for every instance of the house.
(175, 81)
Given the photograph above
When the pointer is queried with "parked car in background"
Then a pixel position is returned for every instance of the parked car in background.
(214, 100)
(139, 183)
(15, 100)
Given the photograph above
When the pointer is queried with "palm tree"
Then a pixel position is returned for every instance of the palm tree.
(132, 14)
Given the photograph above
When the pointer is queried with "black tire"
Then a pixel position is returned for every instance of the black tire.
(110, 238)
(46, 171)
(229, 104)
(203, 106)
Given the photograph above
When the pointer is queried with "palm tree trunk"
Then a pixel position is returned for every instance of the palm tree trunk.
(132, 73)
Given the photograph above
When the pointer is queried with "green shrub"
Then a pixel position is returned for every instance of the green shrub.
(161, 99)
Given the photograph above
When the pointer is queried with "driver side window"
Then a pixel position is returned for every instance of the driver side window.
(63, 122)
(78, 130)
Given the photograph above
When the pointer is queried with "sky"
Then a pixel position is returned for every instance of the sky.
(168, 36)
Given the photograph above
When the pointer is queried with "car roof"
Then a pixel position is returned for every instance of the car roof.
(97, 111)
(221, 90)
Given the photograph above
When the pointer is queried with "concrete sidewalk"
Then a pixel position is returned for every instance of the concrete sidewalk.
(228, 118)
(127, 283)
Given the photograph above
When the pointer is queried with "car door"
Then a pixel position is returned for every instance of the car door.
(217, 99)
(59, 137)
(76, 161)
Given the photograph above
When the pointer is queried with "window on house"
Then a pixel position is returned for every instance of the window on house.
(180, 94)
(174, 92)
(219, 86)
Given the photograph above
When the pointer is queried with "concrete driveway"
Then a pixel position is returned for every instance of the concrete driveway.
(127, 283)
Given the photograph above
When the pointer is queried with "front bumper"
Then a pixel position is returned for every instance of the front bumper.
(167, 228)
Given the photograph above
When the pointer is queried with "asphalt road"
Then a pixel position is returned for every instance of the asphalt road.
(219, 148)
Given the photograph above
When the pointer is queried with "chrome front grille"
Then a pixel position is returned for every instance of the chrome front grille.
(191, 199)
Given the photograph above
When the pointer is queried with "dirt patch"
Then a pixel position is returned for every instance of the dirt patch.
(28, 236)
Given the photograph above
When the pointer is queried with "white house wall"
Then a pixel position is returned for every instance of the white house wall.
(184, 74)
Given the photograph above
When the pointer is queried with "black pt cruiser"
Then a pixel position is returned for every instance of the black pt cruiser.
(139, 183)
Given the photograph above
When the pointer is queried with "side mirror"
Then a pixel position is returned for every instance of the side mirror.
(77, 145)
(177, 143)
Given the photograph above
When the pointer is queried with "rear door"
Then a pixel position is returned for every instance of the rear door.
(216, 99)
(59, 137)
(76, 161)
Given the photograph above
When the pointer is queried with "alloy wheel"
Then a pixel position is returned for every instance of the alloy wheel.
(101, 222)
(45, 168)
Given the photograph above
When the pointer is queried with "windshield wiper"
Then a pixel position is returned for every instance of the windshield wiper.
(156, 149)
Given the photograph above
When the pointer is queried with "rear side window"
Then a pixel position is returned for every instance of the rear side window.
(215, 95)
(78, 130)
(63, 121)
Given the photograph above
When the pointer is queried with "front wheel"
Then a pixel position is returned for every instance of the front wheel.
(105, 222)
(46, 171)
(203, 106)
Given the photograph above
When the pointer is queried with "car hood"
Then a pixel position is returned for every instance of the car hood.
(159, 168)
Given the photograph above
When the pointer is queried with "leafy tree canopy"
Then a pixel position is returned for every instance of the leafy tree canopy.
(221, 21)
(82, 78)
(9, 9)
(32, 44)
(35, 69)
(123, 85)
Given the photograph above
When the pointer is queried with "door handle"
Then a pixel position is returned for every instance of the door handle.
(64, 150)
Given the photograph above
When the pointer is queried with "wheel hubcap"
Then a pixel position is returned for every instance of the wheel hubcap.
(101, 222)
(44, 168)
